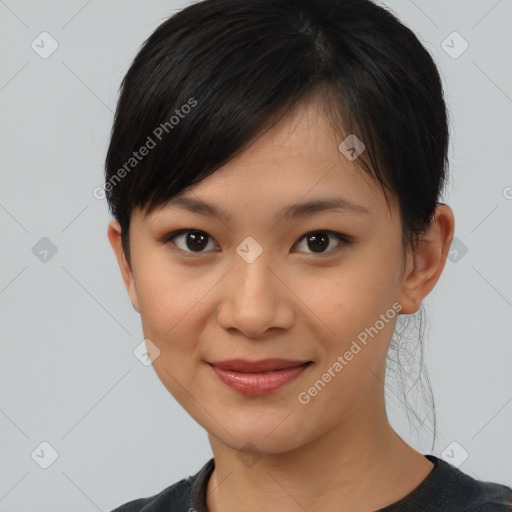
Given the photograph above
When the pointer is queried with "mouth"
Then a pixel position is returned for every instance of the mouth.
(262, 366)
(261, 380)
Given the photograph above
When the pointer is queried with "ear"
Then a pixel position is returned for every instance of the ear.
(425, 265)
(114, 235)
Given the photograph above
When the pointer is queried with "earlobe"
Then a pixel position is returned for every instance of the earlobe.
(114, 236)
(425, 266)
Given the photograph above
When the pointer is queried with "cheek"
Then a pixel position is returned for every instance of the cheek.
(175, 306)
(168, 294)
(352, 357)
(354, 308)
(352, 297)
(172, 307)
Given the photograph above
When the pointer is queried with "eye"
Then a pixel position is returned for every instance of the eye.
(319, 241)
(192, 239)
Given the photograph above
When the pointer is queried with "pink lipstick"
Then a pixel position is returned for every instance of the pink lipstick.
(258, 377)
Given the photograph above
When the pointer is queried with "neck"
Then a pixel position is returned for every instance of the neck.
(359, 465)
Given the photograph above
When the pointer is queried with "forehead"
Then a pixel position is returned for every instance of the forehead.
(297, 160)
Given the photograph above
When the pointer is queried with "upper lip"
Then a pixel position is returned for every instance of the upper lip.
(264, 365)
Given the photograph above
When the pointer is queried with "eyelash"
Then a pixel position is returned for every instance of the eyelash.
(343, 239)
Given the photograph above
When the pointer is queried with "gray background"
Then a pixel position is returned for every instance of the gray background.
(68, 373)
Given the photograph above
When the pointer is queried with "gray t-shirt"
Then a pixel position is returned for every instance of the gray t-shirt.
(445, 489)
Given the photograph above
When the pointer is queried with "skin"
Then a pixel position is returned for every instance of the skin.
(338, 452)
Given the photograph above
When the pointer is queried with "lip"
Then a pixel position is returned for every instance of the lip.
(260, 382)
(264, 365)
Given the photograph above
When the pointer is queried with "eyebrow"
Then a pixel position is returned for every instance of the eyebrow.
(295, 210)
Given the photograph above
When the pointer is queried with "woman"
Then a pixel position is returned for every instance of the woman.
(274, 173)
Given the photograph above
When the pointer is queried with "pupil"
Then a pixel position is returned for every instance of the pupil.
(318, 242)
(197, 239)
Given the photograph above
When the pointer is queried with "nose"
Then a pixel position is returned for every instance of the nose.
(255, 299)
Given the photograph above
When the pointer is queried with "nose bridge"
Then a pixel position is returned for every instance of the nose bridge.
(253, 300)
(254, 283)
(251, 264)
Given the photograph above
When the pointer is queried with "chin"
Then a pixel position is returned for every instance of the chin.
(262, 436)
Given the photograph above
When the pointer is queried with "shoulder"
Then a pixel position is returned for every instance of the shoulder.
(175, 494)
(174, 498)
(459, 489)
(490, 497)
(448, 489)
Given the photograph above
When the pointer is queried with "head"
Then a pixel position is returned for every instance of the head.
(230, 118)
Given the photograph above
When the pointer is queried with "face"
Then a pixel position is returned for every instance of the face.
(256, 284)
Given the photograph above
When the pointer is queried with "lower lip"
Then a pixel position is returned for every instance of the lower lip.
(261, 383)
